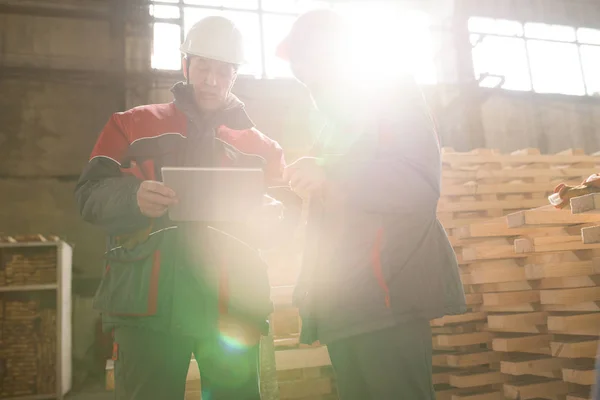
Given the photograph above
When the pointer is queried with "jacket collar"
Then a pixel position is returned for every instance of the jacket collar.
(233, 115)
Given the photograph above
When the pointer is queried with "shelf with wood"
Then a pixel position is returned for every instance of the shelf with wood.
(35, 318)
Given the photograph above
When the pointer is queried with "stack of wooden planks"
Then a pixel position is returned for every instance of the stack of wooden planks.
(303, 372)
(479, 189)
(31, 266)
(484, 184)
(539, 287)
(27, 347)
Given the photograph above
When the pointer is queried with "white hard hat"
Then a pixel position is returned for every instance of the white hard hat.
(215, 38)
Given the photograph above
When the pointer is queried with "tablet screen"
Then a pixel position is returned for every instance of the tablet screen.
(214, 194)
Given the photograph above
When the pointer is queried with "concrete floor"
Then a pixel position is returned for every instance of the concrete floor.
(95, 392)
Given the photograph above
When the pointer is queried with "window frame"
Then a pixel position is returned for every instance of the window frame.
(263, 72)
(527, 39)
(179, 22)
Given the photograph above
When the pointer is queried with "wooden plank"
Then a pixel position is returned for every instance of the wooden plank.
(519, 308)
(577, 324)
(464, 206)
(302, 358)
(462, 360)
(560, 270)
(464, 339)
(543, 284)
(540, 388)
(498, 227)
(524, 173)
(441, 375)
(301, 389)
(574, 348)
(474, 188)
(521, 343)
(481, 394)
(531, 364)
(580, 395)
(569, 296)
(548, 216)
(440, 358)
(458, 319)
(580, 374)
(511, 298)
(552, 244)
(510, 321)
(589, 203)
(495, 274)
(592, 306)
(476, 378)
(461, 159)
(473, 298)
(590, 235)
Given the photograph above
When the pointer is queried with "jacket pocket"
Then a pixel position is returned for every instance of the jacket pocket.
(130, 283)
(244, 289)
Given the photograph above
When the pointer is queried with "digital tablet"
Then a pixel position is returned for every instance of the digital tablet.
(214, 194)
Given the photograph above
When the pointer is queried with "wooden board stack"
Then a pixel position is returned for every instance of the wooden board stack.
(484, 184)
(303, 372)
(478, 189)
(539, 288)
(27, 347)
(32, 267)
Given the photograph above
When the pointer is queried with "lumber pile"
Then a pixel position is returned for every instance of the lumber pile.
(303, 372)
(27, 347)
(479, 189)
(541, 300)
(27, 266)
(484, 184)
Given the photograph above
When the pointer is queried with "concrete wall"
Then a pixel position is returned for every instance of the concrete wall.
(510, 121)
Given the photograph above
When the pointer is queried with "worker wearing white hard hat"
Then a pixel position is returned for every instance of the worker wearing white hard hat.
(171, 289)
(213, 51)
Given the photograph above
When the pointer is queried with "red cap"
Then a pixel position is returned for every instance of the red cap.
(311, 25)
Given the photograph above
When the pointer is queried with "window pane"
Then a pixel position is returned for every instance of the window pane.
(165, 50)
(242, 4)
(276, 28)
(502, 56)
(160, 11)
(292, 6)
(192, 15)
(590, 58)
(495, 26)
(589, 36)
(389, 41)
(551, 32)
(555, 67)
(249, 24)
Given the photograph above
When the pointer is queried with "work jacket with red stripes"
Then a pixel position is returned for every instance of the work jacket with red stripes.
(158, 274)
(376, 256)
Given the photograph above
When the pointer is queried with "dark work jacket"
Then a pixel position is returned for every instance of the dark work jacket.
(376, 255)
(176, 278)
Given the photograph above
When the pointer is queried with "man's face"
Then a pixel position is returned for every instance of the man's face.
(212, 81)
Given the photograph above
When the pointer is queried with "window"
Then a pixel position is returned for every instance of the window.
(265, 23)
(534, 56)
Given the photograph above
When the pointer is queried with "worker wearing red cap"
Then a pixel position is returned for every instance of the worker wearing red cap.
(378, 265)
